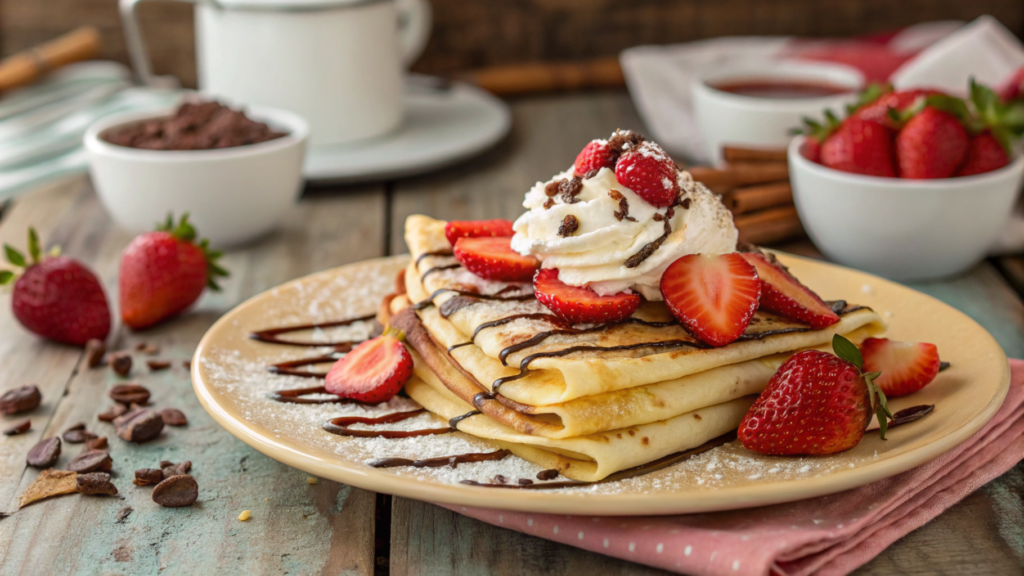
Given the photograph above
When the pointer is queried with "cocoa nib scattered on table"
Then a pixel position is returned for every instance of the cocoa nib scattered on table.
(91, 461)
(18, 428)
(172, 469)
(130, 394)
(194, 126)
(147, 476)
(96, 483)
(156, 365)
(176, 491)
(173, 417)
(98, 443)
(121, 363)
(77, 434)
(112, 413)
(94, 351)
(20, 399)
(139, 425)
(45, 453)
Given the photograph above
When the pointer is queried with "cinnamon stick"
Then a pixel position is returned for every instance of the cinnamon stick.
(753, 198)
(738, 174)
(25, 67)
(549, 77)
(769, 226)
(733, 154)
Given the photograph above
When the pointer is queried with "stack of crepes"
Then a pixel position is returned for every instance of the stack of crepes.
(587, 400)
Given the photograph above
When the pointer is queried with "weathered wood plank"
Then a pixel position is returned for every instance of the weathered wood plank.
(296, 527)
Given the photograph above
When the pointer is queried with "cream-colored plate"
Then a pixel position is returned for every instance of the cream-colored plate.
(230, 377)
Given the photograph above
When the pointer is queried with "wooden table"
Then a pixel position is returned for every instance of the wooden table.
(327, 528)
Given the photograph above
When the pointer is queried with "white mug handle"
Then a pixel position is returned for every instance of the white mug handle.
(136, 46)
(415, 19)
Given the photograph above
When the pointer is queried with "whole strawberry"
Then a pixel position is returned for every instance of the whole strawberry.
(984, 154)
(648, 171)
(932, 144)
(164, 272)
(1012, 87)
(878, 110)
(594, 156)
(817, 403)
(56, 297)
(861, 147)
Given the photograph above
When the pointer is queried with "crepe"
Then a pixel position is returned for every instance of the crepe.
(586, 458)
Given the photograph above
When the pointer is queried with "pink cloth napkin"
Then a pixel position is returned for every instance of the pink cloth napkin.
(830, 535)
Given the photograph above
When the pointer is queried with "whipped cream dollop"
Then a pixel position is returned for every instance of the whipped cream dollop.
(611, 229)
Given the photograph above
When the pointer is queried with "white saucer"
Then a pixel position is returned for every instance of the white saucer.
(441, 127)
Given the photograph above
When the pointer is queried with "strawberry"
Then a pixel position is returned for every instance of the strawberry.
(816, 403)
(713, 296)
(861, 147)
(1012, 87)
(783, 294)
(162, 273)
(878, 109)
(56, 297)
(648, 171)
(906, 367)
(473, 228)
(372, 372)
(594, 156)
(812, 149)
(932, 144)
(492, 258)
(984, 154)
(580, 305)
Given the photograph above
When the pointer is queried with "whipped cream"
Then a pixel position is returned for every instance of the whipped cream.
(596, 253)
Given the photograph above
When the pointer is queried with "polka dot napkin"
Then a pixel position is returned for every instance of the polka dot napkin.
(831, 535)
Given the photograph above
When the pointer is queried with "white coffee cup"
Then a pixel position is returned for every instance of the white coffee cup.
(732, 119)
(337, 63)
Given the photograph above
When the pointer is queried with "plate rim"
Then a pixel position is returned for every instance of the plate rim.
(538, 501)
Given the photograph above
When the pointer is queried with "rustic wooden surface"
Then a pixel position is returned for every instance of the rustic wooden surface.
(327, 528)
(470, 34)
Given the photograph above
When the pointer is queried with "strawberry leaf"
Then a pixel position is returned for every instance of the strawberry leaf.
(14, 257)
(33, 245)
(873, 92)
(879, 403)
(5, 277)
(847, 351)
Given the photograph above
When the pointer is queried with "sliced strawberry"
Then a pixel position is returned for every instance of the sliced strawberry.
(649, 172)
(581, 305)
(906, 367)
(713, 296)
(373, 371)
(594, 156)
(984, 155)
(473, 228)
(493, 258)
(783, 294)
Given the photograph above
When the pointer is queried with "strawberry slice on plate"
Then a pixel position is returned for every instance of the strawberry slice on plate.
(906, 367)
(374, 371)
(493, 258)
(581, 305)
(475, 228)
(783, 294)
(713, 296)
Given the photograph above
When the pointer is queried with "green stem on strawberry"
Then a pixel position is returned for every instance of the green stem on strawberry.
(879, 404)
(17, 259)
(184, 231)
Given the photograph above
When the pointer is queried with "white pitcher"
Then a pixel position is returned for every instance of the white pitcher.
(338, 63)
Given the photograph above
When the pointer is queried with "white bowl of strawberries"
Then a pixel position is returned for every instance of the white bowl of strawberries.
(912, 185)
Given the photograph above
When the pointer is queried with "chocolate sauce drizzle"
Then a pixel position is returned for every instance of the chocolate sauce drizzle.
(438, 269)
(340, 426)
(289, 367)
(430, 299)
(454, 422)
(295, 396)
(452, 461)
(270, 335)
(429, 254)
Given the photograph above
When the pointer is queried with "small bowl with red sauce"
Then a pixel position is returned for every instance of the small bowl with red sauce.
(757, 104)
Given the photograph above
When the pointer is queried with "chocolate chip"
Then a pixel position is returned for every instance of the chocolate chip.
(685, 203)
(77, 434)
(156, 365)
(147, 476)
(129, 394)
(569, 188)
(176, 469)
(20, 399)
(112, 413)
(98, 443)
(173, 417)
(570, 224)
(94, 351)
(18, 428)
(499, 479)
(121, 363)
(45, 453)
(551, 189)
(624, 140)
(549, 203)
(547, 474)
(176, 491)
(96, 483)
(91, 461)
(141, 425)
(525, 481)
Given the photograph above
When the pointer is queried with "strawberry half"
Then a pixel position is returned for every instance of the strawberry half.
(649, 172)
(816, 403)
(580, 305)
(713, 296)
(906, 367)
(493, 258)
(474, 228)
(372, 372)
(594, 156)
(783, 294)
